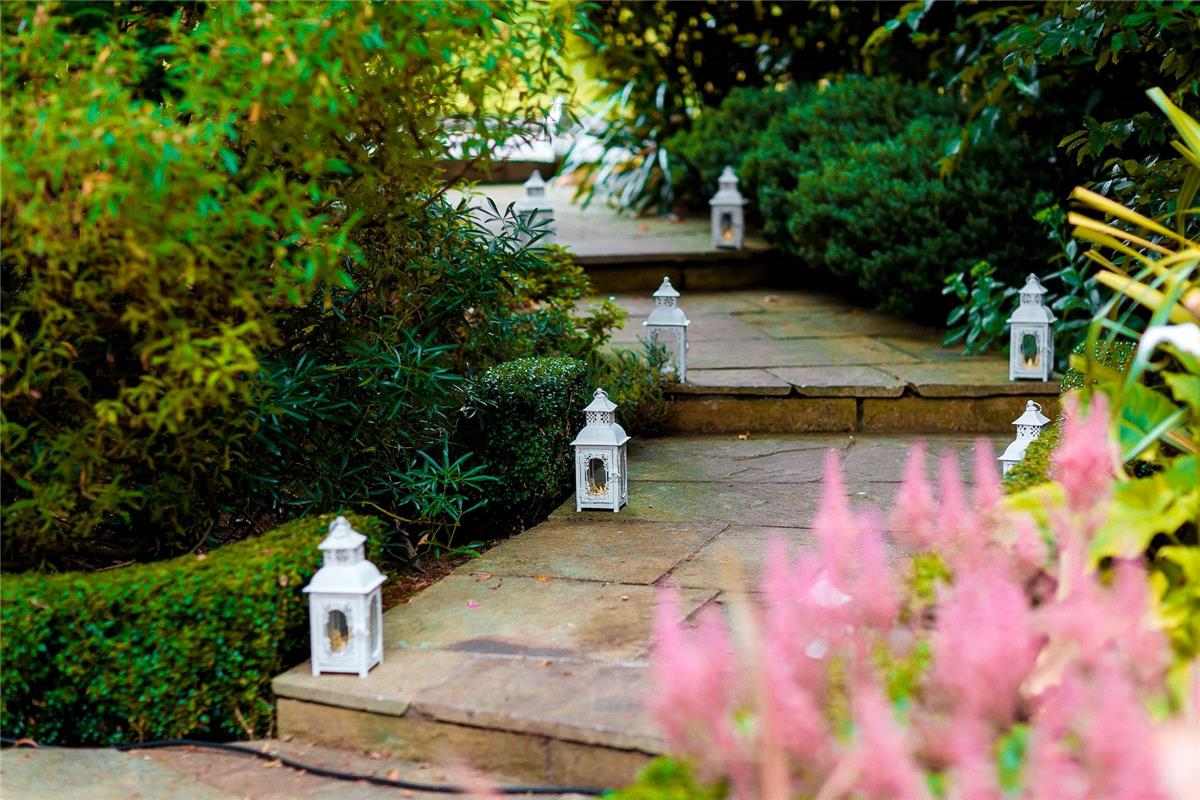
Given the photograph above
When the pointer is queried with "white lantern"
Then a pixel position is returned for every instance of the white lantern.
(1031, 341)
(667, 325)
(1029, 427)
(535, 209)
(601, 477)
(728, 213)
(345, 605)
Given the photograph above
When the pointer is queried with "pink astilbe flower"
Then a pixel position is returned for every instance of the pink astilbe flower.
(886, 769)
(984, 644)
(1029, 551)
(1083, 461)
(974, 773)
(872, 584)
(693, 672)
(1118, 742)
(834, 526)
(987, 491)
(915, 513)
(961, 537)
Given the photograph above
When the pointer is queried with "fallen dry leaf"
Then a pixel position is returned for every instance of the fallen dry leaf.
(393, 775)
(543, 578)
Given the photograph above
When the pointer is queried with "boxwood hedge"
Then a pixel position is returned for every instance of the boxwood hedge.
(525, 414)
(185, 647)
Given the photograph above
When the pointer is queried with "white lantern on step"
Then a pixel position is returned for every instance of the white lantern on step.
(1031, 340)
(1029, 426)
(535, 209)
(601, 474)
(345, 605)
(728, 213)
(667, 325)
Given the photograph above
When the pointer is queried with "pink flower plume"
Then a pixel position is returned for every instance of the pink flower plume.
(1083, 462)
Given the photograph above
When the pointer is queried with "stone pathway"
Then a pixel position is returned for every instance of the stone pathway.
(598, 234)
(791, 361)
(197, 773)
(531, 661)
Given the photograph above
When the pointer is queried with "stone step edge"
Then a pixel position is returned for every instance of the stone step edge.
(791, 414)
(530, 758)
(1024, 389)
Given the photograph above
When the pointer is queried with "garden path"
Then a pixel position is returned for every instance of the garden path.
(531, 661)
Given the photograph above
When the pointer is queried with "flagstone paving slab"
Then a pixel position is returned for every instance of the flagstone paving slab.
(618, 550)
(95, 774)
(733, 381)
(829, 322)
(849, 350)
(735, 559)
(390, 690)
(767, 458)
(550, 618)
(591, 702)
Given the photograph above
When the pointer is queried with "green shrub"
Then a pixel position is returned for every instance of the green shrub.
(667, 778)
(849, 179)
(178, 648)
(723, 136)
(636, 383)
(218, 220)
(524, 414)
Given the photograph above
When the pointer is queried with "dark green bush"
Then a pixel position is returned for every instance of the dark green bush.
(723, 136)
(524, 414)
(178, 648)
(849, 179)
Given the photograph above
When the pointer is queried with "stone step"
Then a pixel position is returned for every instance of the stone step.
(853, 409)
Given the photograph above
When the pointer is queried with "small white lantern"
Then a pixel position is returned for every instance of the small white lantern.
(1029, 427)
(667, 325)
(345, 605)
(1031, 342)
(728, 212)
(535, 209)
(601, 477)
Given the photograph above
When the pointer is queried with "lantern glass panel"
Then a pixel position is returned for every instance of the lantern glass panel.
(337, 630)
(597, 477)
(373, 623)
(727, 226)
(1031, 357)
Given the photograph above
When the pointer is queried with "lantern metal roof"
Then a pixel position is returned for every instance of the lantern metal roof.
(602, 428)
(355, 575)
(535, 198)
(1031, 308)
(665, 311)
(727, 191)
(1015, 450)
(1033, 416)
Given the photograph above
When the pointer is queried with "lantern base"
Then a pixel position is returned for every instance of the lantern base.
(585, 506)
(348, 670)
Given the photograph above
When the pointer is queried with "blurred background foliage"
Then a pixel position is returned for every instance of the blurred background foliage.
(1028, 99)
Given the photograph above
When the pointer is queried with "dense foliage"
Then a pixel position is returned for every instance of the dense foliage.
(233, 288)
(185, 647)
(846, 176)
(667, 62)
(525, 414)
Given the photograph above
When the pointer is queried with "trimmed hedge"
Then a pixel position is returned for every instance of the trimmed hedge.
(526, 413)
(179, 648)
(1034, 468)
